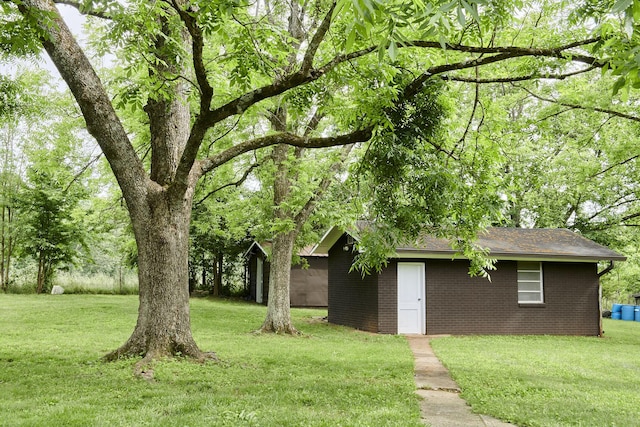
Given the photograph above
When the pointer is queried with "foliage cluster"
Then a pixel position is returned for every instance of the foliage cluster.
(414, 183)
(54, 198)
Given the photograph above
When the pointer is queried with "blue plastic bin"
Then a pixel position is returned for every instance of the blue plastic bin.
(628, 312)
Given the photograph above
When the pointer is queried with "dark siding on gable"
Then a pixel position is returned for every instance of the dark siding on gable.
(252, 276)
(353, 301)
(459, 304)
(253, 272)
(266, 270)
(309, 285)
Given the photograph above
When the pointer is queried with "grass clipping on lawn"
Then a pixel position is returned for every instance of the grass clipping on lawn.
(51, 373)
(550, 380)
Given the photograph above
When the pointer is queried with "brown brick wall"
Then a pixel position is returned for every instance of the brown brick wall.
(458, 304)
(388, 299)
(353, 301)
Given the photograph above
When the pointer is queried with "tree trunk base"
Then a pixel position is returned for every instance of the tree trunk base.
(285, 329)
(150, 352)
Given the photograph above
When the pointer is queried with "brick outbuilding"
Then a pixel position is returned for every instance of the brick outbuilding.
(546, 281)
(308, 284)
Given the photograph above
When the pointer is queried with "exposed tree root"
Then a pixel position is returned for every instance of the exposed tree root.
(150, 353)
(144, 369)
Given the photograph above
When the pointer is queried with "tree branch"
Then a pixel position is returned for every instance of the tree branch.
(237, 183)
(101, 119)
(557, 51)
(314, 44)
(498, 54)
(102, 13)
(202, 122)
(83, 170)
(306, 211)
(284, 138)
(197, 41)
(517, 79)
(296, 79)
(624, 162)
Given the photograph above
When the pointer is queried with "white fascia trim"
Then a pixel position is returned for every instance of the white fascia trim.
(255, 243)
(328, 240)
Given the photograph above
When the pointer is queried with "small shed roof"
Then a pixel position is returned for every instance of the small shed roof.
(543, 244)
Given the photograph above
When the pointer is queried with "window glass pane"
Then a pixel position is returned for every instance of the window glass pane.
(528, 265)
(529, 275)
(529, 282)
(529, 297)
(529, 286)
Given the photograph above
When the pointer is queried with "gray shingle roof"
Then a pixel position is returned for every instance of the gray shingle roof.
(533, 243)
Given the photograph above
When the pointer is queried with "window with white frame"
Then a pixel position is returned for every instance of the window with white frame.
(530, 282)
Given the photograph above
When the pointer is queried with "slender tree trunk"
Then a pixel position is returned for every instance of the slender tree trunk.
(3, 284)
(217, 281)
(204, 271)
(40, 278)
(164, 326)
(278, 309)
(8, 250)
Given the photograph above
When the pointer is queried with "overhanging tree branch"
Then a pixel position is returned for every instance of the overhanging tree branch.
(516, 79)
(284, 138)
(298, 79)
(102, 121)
(306, 211)
(622, 163)
(237, 183)
(558, 51)
(582, 107)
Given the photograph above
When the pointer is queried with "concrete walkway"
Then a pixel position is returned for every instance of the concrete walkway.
(442, 405)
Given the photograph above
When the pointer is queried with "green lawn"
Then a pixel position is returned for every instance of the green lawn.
(550, 381)
(50, 373)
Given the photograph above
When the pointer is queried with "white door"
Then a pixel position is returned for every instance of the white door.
(259, 280)
(411, 303)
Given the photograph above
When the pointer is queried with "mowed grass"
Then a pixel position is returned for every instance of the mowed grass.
(51, 375)
(549, 380)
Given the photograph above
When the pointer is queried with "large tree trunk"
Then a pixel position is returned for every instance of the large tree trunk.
(161, 226)
(163, 327)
